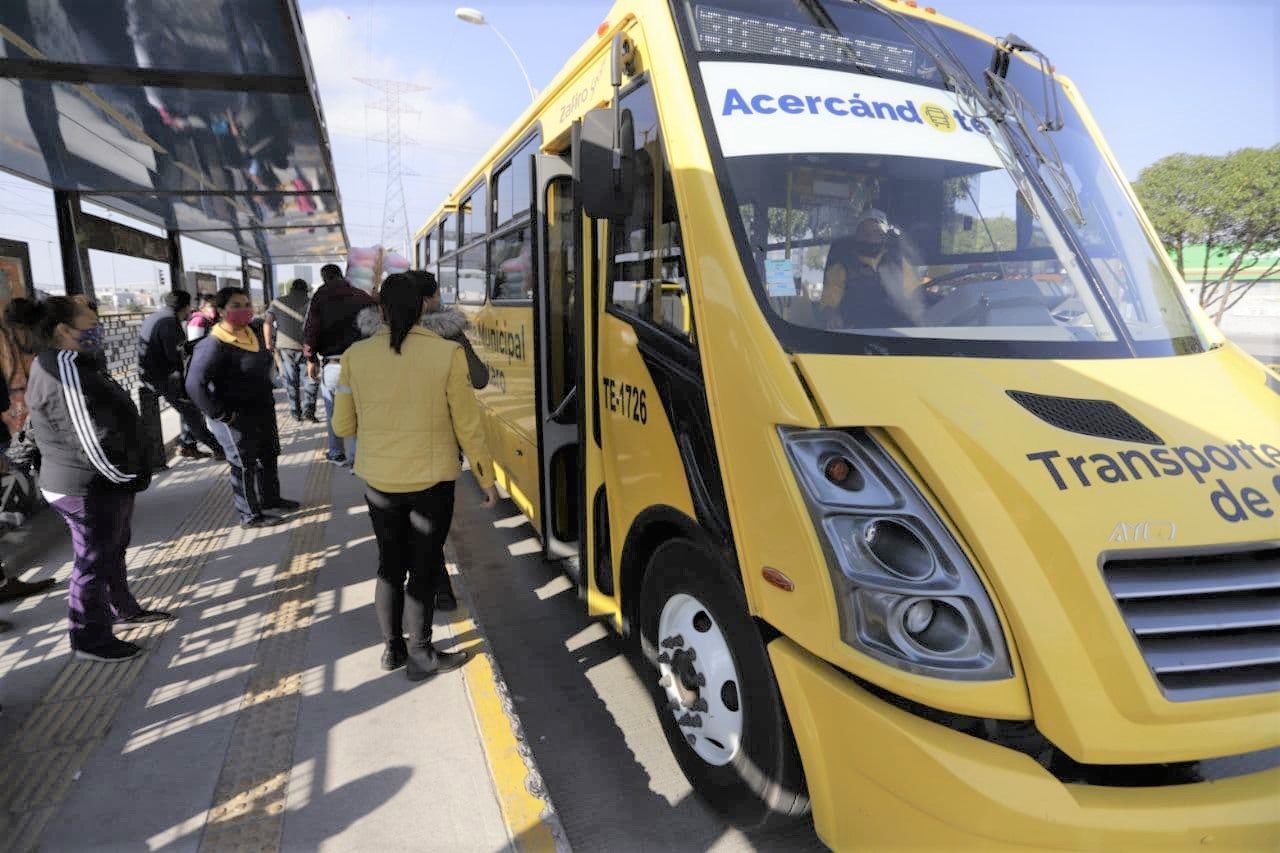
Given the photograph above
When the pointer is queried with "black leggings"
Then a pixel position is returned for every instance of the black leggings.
(411, 528)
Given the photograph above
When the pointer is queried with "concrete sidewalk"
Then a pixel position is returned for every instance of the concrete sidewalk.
(260, 719)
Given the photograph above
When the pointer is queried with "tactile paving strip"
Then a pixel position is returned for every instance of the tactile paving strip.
(249, 800)
(46, 753)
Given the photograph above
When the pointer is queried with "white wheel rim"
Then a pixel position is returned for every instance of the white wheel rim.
(696, 671)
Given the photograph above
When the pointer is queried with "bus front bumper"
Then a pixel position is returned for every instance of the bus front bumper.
(882, 778)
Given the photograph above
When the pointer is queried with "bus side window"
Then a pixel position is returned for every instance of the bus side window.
(511, 272)
(649, 278)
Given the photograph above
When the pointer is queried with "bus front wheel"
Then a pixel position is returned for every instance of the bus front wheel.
(715, 689)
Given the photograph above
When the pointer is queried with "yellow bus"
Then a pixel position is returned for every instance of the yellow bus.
(836, 358)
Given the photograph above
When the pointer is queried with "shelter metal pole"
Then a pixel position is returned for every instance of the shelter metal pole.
(75, 258)
(149, 397)
(176, 273)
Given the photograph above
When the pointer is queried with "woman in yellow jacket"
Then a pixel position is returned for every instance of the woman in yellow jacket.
(406, 394)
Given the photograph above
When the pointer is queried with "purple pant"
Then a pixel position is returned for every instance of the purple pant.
(101, 527)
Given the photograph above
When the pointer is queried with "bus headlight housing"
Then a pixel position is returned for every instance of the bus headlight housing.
(907, 593)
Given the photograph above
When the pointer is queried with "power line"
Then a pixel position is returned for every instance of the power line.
(470, 152)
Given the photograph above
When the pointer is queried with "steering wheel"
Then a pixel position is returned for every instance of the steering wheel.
(944, 285)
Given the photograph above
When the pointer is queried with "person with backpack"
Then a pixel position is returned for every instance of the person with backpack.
(330, 328)
(93, 464)
(161, 367)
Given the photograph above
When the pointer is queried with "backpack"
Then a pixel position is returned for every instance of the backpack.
(19, 497)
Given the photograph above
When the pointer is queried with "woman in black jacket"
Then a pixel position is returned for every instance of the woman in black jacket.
(450, 324)
(229, 379)
(93, 464)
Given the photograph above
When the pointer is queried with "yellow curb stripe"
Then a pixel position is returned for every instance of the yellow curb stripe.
(526, 807)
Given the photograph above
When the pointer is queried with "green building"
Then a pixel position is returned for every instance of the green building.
(1195, 272)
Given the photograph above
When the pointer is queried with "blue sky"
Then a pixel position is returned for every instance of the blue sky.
(1161, 78)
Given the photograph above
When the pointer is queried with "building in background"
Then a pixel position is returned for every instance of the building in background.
(1197, 270)
(197, 283)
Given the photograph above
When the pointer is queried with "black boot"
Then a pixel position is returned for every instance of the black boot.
(424, 660)
(395, 654)
(389, 604)
(446, 601)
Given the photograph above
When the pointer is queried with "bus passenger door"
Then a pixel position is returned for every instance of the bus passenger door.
(557, 225)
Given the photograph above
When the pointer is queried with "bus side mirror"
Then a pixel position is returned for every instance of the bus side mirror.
(606, 175)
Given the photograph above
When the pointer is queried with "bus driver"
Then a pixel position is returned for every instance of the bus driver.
(864, 285)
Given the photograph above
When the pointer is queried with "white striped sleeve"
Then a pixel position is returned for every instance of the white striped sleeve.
(73, 394)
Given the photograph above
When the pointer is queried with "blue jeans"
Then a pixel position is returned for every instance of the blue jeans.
(338, 449)
(297, 384)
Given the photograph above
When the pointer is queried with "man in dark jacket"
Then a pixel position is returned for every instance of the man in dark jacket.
(160, 344)
(330, 328)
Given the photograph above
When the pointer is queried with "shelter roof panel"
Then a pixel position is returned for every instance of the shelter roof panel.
(215, 36)
(200, 117)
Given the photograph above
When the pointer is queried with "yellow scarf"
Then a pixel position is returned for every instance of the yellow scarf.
(245, 339)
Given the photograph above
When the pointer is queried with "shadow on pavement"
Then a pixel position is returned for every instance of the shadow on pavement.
(182, 713)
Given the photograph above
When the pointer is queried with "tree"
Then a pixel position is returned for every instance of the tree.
(1231, 204)
(997, 234)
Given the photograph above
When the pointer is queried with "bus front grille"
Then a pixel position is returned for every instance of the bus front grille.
(1207, 623)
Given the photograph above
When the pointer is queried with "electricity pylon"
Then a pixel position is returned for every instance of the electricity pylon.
(395, 217)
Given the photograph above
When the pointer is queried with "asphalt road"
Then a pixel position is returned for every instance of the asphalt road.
(586, 712)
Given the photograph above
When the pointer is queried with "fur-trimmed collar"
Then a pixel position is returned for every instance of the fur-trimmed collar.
(447, 323)
(369, 321)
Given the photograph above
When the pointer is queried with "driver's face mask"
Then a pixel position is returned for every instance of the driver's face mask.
(869, 248)
(870, 238)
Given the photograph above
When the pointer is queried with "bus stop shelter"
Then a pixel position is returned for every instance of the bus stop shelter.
(198, 118)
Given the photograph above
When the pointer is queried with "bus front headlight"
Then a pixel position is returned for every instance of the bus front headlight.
(907, 593)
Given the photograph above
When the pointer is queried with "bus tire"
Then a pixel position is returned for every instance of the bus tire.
(715, 690)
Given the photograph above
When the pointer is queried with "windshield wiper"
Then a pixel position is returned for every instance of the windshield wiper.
(975, 103)
(1004, 106)
(999, 70)
(1016, 104)
(1042, 146)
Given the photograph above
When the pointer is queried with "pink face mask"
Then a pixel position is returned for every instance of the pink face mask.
(239, 316)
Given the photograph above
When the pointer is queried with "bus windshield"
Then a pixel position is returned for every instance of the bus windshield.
(886, 206)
